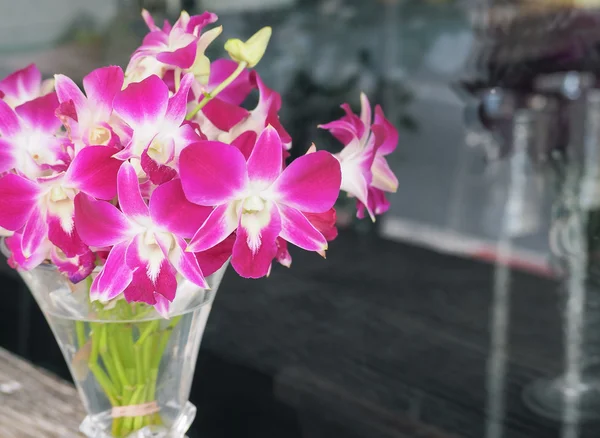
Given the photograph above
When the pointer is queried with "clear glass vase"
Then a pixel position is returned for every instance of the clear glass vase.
(133, 368)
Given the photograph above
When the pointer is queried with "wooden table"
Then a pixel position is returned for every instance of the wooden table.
(35, 404)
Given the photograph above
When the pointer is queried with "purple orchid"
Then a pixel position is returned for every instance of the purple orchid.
(225, 121)
(89, 119)
(41, 211)
(24, 85)
(366, 174)
(156, 121)
(147, 240)
(257, 198)
(180, 46)
(29, 140)
(142, 178)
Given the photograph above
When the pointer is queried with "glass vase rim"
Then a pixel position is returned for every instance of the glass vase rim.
(153, 315)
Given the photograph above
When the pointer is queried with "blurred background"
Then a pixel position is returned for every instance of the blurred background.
(444, 317)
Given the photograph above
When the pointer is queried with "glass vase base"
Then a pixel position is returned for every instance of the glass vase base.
(99, 426)
(546, 397)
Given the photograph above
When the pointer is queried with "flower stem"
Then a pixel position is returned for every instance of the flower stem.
(80, 331)
(208, 96)
(125, 359)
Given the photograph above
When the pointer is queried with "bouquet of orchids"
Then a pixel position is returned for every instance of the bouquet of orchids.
(159, 170)
(158, 174)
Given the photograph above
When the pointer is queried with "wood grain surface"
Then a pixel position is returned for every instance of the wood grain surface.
(35, 404)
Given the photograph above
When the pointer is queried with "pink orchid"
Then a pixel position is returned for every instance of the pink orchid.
(88, 119)
(223, 120)
(365, 171)
(24, 85)
(257, 198)
(42, 210)
(157, 123)
(28, 137)
(180, 46)
(148, 246)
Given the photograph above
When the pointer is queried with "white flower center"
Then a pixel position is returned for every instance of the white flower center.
(99, 136)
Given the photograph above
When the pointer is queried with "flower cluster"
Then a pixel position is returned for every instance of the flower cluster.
(158, 172)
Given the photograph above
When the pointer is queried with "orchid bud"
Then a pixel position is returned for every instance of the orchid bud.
(252, 50)
(201, 66)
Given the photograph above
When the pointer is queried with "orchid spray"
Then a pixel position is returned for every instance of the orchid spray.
(158, 173)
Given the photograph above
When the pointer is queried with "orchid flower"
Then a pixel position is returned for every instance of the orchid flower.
(148, 246)
(365, 171)
(178, 47)
(42, 210)
(24, 85)
(89, 119)
(231, 124)
(28, 137)
(158, 135)
(257, 198)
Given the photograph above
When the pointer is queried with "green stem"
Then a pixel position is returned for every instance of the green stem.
(104, 383)
(148, 330)
(80, 330)
(208, 96)
(120, 370)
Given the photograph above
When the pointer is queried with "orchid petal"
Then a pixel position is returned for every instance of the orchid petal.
(115, 276)
(218, 226)
(140, 289)
(365, 111)
(224, 115)
(324, 222)
(18, 196)
(355, 183)
(67, 240)
(386, 134)
(130, 198)
(177, 107)
(77, 267)
(297, 229)
(265, 162)
(214, 258)
(101, 86)
(143, 103)
(9, 122)
(162, 306)
(383, 177)
(283, 255)
(149, 20)
(94, 172)
(99, 223)
(341, 129)
(236, 92)
(67, 90)
(170, 209)
(40, 113)
(186, 264)
(245, 143)
(34, 233)
(212, 172)
(166, 281)
(255, 246)
(150, 260)
(22, 85)
(157, 172)
(183, 57)
(7, 156)
(268, 108)
(311, 183)
(17, 258)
